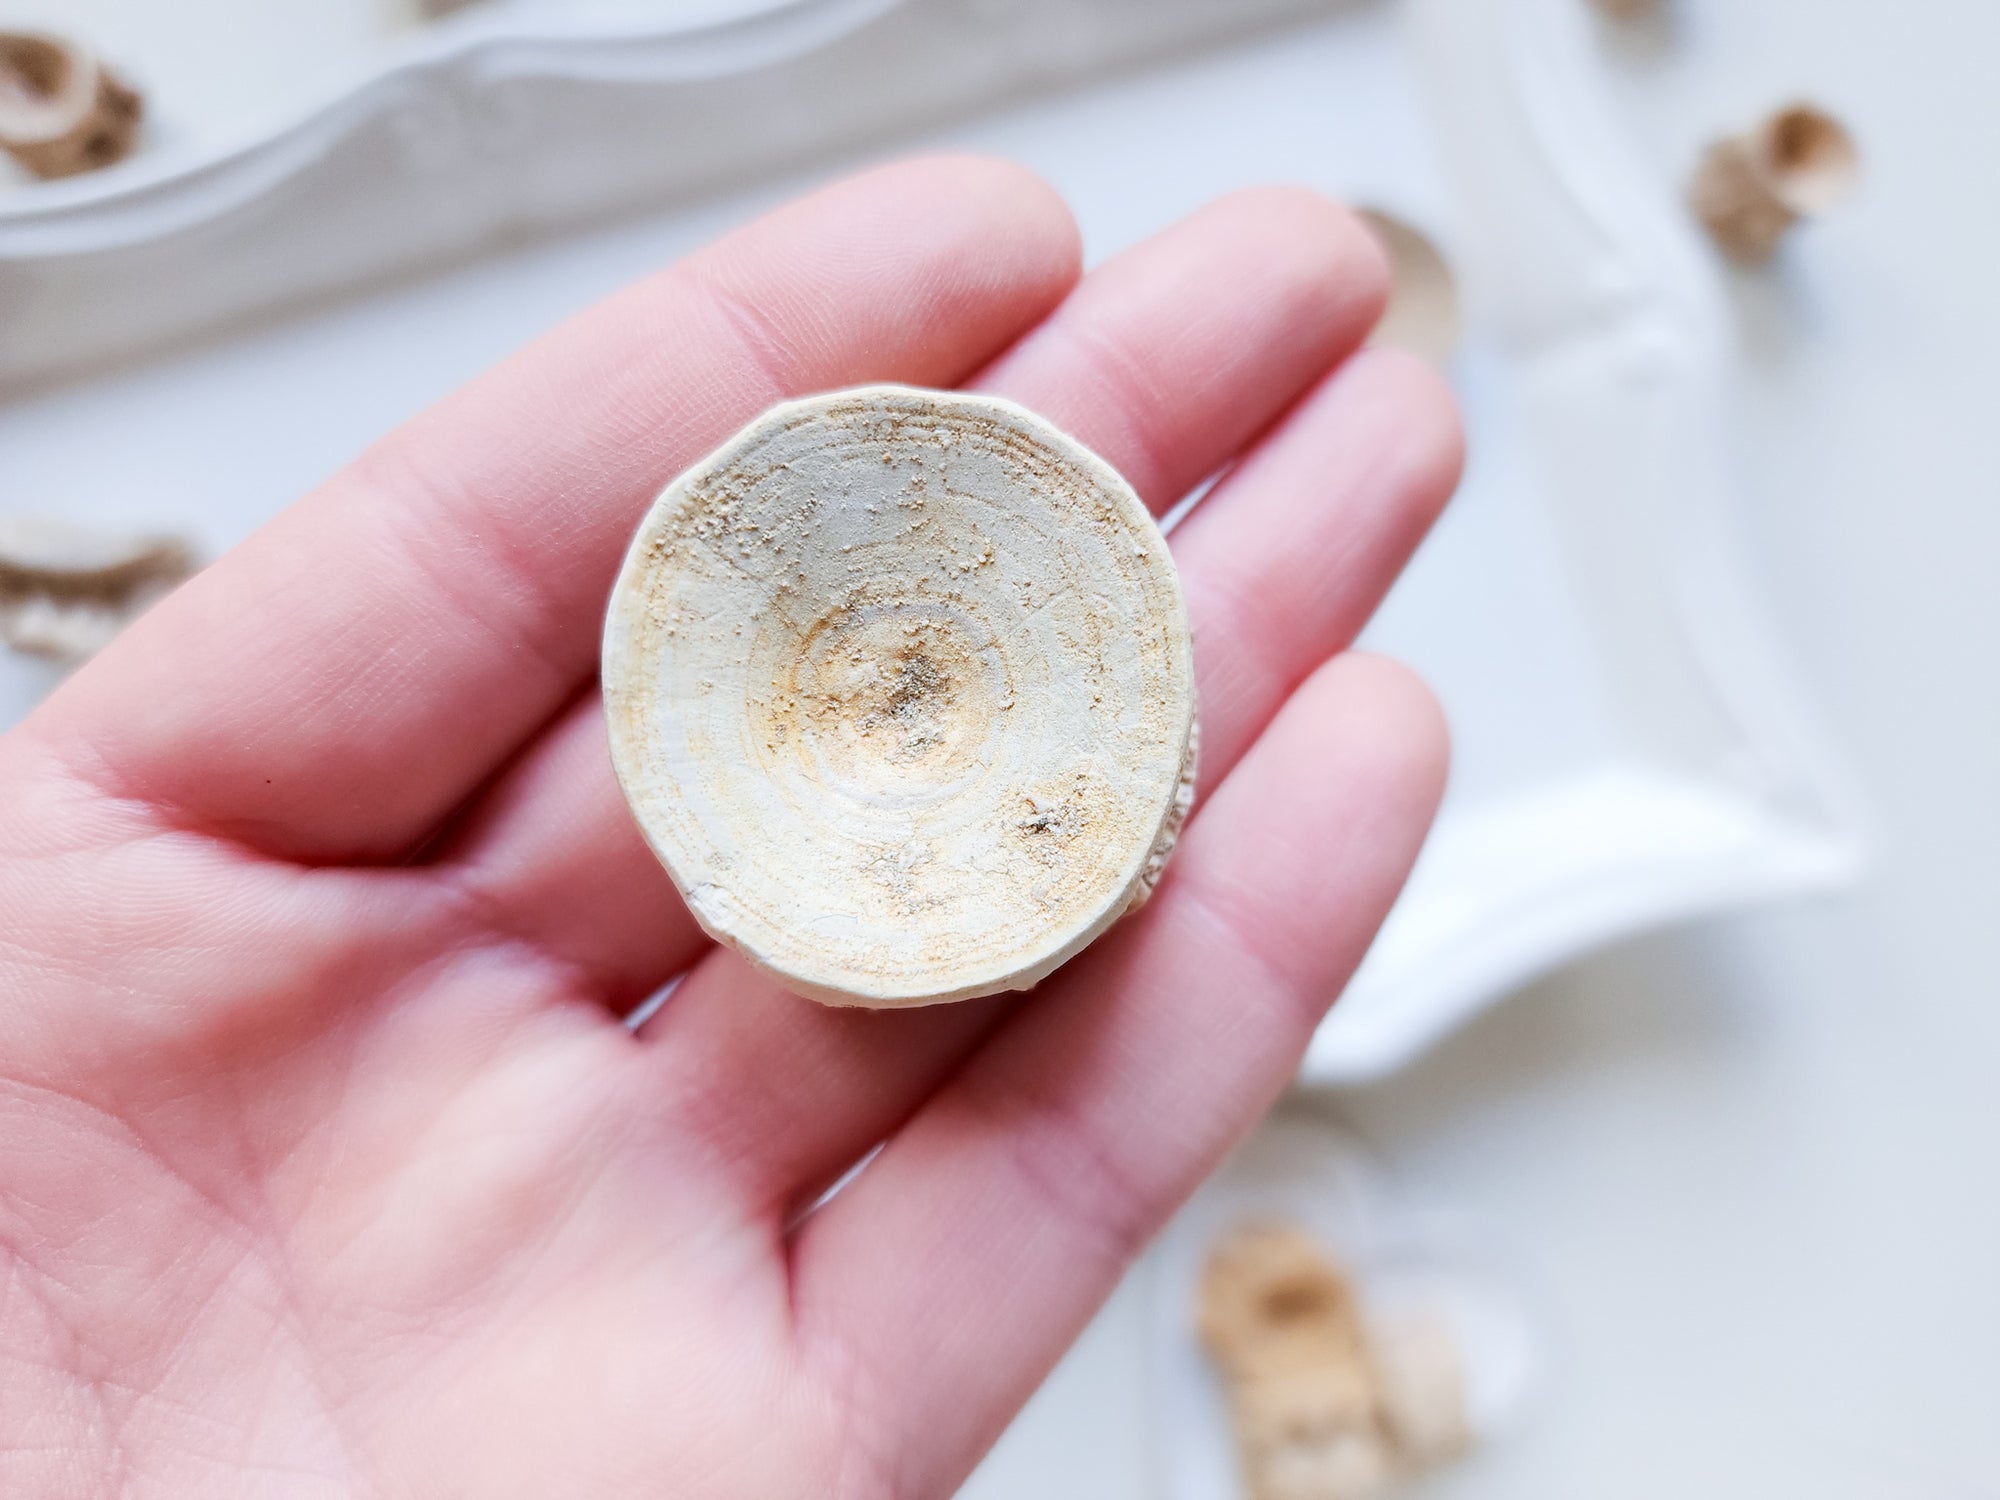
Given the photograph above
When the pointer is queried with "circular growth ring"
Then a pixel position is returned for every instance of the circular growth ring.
(900, 691)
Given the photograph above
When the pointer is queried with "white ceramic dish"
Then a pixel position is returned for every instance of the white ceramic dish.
(1629, 751)
(512, 120)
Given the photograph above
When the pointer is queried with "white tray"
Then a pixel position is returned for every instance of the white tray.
(1629, 750)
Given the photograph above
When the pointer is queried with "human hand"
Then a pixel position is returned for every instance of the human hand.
(326, 1165)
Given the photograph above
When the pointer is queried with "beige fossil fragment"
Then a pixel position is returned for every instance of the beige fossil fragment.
(1326, 1403)
(1282, 1325)
(1750, 189)
(66, 591)
(62, 111)
(900, 691)
(1628, 10)
(1423, 314)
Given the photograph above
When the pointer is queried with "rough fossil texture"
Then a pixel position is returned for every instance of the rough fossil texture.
(900, 690)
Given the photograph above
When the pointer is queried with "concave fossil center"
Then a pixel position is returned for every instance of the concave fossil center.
(889, 703)
(900, 690)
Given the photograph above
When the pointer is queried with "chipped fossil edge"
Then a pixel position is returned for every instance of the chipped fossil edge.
(1177, 816)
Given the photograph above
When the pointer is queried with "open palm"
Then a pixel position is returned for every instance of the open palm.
(326, 1164)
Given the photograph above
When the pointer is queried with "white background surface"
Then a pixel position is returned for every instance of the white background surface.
(1753, 1168)
(1751, 1171)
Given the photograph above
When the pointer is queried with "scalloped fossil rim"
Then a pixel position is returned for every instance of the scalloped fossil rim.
(900, 691)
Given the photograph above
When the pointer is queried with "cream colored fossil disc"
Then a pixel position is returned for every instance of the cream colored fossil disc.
(900, 690)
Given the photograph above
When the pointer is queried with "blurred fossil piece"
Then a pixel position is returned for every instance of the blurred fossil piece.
(1282, 1324)
(1420, 1377)
(1324, 1404)
(1423, 314)
(900, 690)
(62, 111)
(66, 591)
(1628, 10)
(1750, 189)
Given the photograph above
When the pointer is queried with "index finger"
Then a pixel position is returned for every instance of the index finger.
(333, 688)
